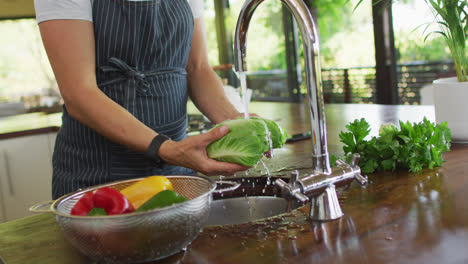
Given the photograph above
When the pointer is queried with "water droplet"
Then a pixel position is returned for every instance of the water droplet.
(266, 169)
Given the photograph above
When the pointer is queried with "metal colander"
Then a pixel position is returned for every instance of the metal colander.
(139, 236)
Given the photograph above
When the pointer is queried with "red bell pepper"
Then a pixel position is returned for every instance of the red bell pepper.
(109, 199)
(112, 201)
(84, 205)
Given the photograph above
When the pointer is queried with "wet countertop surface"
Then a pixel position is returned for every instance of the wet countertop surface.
(399, 217)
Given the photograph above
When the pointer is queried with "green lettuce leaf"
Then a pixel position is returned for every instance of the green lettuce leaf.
(244, 144)
(278, 135)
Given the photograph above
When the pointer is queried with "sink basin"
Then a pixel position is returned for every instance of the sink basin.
(240, 210)
(257, 198)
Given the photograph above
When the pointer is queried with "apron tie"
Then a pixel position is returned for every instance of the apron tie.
(119, 66)
(138, 80)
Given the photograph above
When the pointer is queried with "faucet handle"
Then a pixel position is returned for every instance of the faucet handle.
(293, 182)
(288, 190)
(301, 197)
(355, 163)
(281, 184)
(291, 189)
(361, 179)
(355, 160)
(294, 177)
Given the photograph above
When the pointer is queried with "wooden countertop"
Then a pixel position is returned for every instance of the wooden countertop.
(399, 217)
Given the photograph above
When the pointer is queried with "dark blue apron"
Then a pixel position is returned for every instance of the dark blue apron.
(142, 49)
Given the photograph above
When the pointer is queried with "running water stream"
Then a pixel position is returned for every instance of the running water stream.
(267, 172)
(245, 99)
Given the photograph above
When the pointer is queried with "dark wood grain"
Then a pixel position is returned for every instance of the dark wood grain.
(399, 217)
(29, 132)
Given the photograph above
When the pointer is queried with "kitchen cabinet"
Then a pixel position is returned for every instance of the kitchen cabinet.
(2, 172)
(51, 142)
(26, 173)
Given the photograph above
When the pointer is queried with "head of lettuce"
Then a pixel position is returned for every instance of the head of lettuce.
(247, 141)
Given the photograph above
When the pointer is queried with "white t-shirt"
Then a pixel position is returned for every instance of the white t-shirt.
(82, 9)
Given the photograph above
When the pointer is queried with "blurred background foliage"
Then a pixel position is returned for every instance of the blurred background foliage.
(346, 34)
(346, 41)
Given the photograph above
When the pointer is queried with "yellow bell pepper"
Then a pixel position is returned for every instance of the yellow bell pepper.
(141, 191)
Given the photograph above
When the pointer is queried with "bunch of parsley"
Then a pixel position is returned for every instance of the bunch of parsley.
(413, 146)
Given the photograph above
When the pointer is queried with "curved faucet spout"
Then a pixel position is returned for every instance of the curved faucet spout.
(301, 14)
(296, 7)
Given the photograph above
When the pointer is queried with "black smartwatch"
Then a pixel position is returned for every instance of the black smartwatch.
(153, 149)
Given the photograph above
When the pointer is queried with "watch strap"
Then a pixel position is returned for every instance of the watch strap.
(153, 149)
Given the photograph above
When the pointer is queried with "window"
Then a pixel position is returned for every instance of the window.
(25, 72)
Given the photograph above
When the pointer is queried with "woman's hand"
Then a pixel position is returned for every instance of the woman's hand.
(191, 153)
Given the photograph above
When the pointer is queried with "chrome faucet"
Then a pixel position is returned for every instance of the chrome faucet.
(321, 162)
(319, 187)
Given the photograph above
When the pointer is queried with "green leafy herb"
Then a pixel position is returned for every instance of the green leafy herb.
(413, 146)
